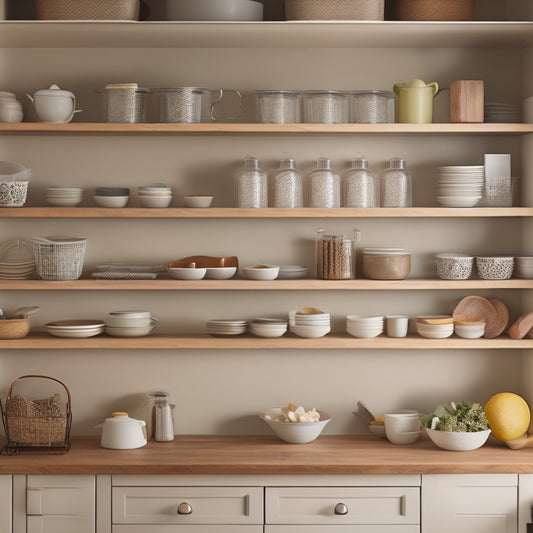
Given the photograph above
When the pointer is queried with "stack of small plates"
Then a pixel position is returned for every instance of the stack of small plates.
(75, 329)
(434, 326)
(268, 327)
(126, 271)
(523, 267)
(309, 322)
(226, 327)
(501, 113)
(293, 272)
(64, 196)
(364, 327)
(460, 186)
(16, 259)
(129, 323)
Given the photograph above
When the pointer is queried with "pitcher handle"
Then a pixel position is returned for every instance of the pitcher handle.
(435, 87)
(215, 101)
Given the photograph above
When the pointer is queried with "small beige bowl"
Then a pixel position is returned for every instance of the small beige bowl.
(261, 272)
(197, 201)
(14, 328)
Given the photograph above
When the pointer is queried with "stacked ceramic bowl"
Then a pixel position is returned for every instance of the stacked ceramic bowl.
(364, 327)
(434, 326)
(111, 196)
(129, 323)
(469, 330)
(495, 267)
(157, 195)
(64, 196)
(292, 272)
(454, 266)
(309, 322)
(524, 267)
(16, 259)
(268, 327)
(226, 328)
(75, 329)
(460, 186)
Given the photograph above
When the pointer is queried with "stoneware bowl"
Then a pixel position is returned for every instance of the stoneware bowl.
(495, 267)
(220, 272)
(197, 201)
(295, 432)
(155, 201)
(187, 273)
(458, 441)
(261, 272)
(454, 266)
(111, 201)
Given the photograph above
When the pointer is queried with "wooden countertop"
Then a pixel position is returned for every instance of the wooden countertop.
(328, 455)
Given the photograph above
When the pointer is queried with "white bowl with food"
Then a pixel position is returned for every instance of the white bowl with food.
(261, 272)
(187, 273)
(292, 428)
(458, 441)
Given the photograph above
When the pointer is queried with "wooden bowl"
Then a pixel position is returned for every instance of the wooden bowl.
(14, 328)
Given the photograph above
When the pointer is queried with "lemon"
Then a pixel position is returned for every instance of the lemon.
(508, 415)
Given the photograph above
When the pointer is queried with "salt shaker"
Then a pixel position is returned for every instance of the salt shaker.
(251, 185)
(395, 189)
(323, 184)
(359, 185)
(163, 419)
(287, 188)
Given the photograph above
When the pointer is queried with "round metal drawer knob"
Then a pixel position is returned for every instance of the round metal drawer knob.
(341, 508)
(184, 508)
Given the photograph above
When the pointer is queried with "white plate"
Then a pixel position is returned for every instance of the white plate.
(16, 251)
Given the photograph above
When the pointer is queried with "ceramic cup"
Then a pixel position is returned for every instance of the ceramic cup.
(397, 325)
(402, 427)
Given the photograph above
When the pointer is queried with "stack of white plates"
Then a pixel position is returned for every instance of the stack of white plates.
(268, 327)
(309, 322)
(293, 272)
(64, 196)
(523, 267)
(75, 329)
(435, 326)
(501, 113)
(157, 195)
(227, 327)
(364, 327)
(16, 259)
(129, 323)
(460, 186)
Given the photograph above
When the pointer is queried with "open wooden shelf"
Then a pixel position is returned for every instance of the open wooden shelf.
(165, 284)
(332, 341)
(270, 212)
(83, 128)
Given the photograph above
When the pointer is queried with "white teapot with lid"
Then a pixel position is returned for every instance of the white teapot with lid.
(120, 432)
(54, 105)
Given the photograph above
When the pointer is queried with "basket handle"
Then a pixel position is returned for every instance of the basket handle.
(43, 377)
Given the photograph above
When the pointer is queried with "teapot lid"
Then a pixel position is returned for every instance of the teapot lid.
(53, 90)
(121, 417)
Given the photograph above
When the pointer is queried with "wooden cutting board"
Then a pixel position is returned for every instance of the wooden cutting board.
(475, 308)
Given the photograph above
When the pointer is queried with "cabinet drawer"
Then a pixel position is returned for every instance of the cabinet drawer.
(189, 529)
(362, 505)
(203, 505)
(354, 528)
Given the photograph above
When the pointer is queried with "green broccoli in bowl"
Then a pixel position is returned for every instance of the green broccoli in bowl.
(461, 416)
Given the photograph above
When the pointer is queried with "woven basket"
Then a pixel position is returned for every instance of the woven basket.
(334, 9)
(59, 259)
(434, 9)
(32, 424)
(87, 9)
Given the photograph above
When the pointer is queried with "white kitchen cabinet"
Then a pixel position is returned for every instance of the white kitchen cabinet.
(55, 504)
(469, 503)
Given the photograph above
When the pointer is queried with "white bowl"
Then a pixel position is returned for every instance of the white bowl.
(406, 437)
(458, 441)
(197, 201)
(469, 331)
(377, 429)
(295, 432)
(261, 272)
(364, 333)
(128, 331)
(220, 272)
(269, 331)
(442, 333)
(187, 273)
(310, 332)
(127, 322)
(155, 201)
(214, 10)
(111, 201)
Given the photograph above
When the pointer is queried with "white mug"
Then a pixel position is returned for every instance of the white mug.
(402, 427)
(397, 325)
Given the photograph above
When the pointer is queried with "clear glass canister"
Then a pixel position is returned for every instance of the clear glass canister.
(277, 107)
(335, 255)
(326, 107)
(395, 185)
(163, 419)
(359, 185)
(287, 187)
(251, 185)
(373, 107)
(323, 185)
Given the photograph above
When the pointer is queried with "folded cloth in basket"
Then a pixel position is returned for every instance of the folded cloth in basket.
(20, 406)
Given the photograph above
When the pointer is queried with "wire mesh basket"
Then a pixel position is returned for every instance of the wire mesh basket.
(59, 258)
(87, 9)
(372, 107)
(334, 9)
(41, 425)
(122, 104)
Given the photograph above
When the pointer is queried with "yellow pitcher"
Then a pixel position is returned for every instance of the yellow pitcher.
(415, 101)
